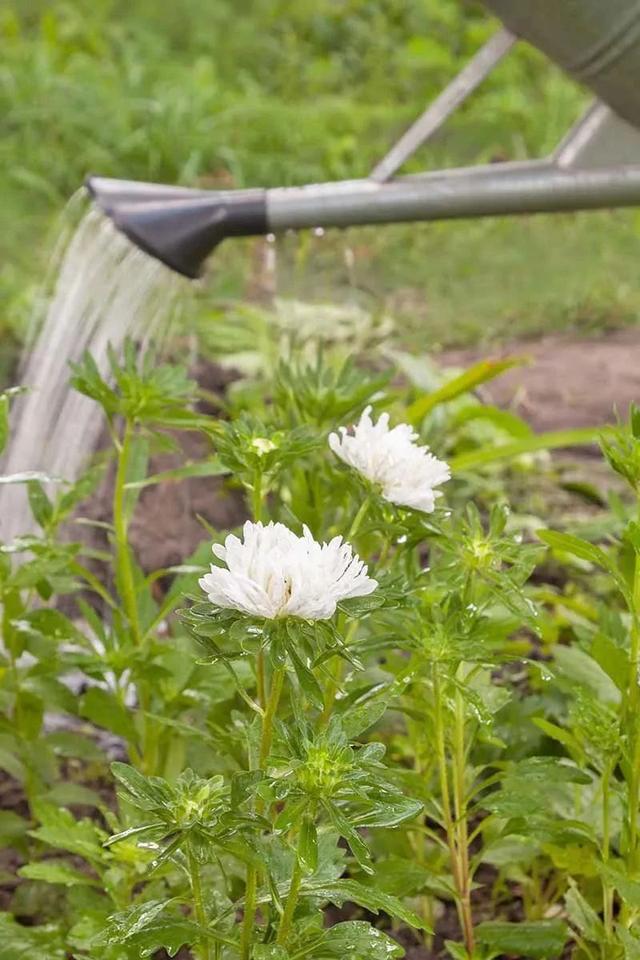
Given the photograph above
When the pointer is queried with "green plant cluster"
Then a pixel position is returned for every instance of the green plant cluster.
(199, 777)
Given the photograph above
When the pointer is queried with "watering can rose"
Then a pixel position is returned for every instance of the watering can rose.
(406, 472)
(273, 573)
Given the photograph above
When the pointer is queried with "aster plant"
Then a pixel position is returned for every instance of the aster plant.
(362, 703)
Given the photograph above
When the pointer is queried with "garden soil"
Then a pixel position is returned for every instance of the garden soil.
(565, 381)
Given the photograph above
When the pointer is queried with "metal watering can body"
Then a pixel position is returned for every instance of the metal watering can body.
(598, 165)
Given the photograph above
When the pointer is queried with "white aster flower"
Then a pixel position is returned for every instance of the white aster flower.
(274, 573)
(405, 471)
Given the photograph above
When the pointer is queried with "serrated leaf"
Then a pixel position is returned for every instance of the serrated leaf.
(356, 720)
(58, 872)
(59, 828)
(582, 915)
(356, 940)
(390, 813)
(617, 877)
(149, 793)
(406, 878)
(374, 900)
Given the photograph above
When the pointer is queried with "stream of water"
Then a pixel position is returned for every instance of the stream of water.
(106, 290)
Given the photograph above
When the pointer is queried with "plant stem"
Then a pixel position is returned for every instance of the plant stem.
(248, 920)
(456, 827)
(127, 588)
(120, 524)
(251, 886)
(633, 800)
(277, 682)
(290, 906)
(443, 774)
(335, 679)
(198, 902)
(607, 892)
(359, 517)
(459, 765)
(260, 679)
(256, 497)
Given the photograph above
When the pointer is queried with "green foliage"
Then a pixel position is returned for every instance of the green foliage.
(461, 714)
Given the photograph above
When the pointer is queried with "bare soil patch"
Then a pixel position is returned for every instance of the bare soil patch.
(567, 381)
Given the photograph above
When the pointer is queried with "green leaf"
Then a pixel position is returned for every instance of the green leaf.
(630, 942)
(270, 951)
(503, 419)
(356, 940)
(306, 679)
(559, 734)
(545, 770)
(59, 829)
(149, 927)
(169, 933)
(13, 828)
(582, 915)
(10, 763)
(340, 891)
(148, 793)
(41, 506)
(358, 719)
(479, 373)
(509, 451)
(358, 607)
(308, 844)
(613, 660)
(68, 794)
(57, 871)
(617, 876)
(357, 845)
(391, 812)
(583, 550)
(18, 942)
(541, 940)
(66, 743)
(577, 667)
(105, 710)
(405, 878)
(208, 468)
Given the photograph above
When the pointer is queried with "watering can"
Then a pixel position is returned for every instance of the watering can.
(596, 165)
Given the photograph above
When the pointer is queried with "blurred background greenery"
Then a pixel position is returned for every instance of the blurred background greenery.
(269, 92)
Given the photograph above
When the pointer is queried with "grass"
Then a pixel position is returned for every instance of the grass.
(268, 93)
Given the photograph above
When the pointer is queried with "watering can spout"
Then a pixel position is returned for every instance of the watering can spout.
(177, 225)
